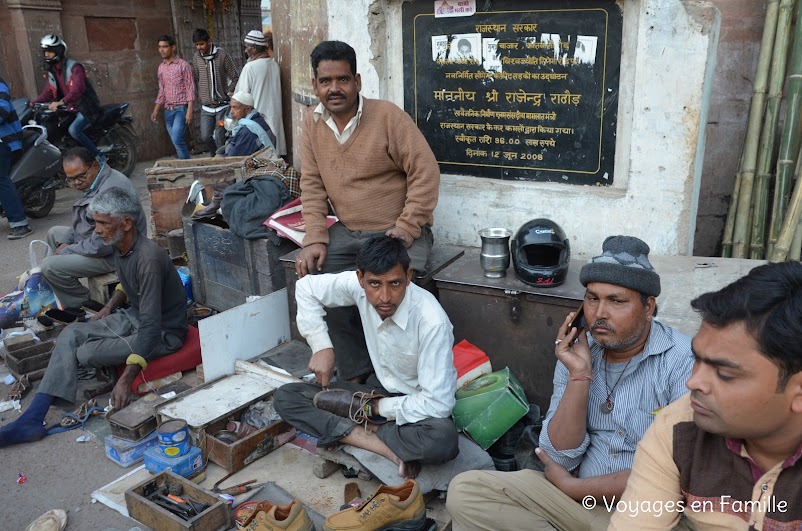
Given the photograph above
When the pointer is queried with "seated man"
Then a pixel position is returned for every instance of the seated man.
(608, 385)
(729, 453)
(154, 325)
(406, 405)
(251, 132)
(79, 251)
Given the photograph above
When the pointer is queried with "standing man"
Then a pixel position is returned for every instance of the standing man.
(216, 76)
(10, 141)
(368, 160)
(729, 454)
(261, 79)
(154, 325)
(608, 386)
(176, 94)
(78, 250)
(68, 85)
(406, 405)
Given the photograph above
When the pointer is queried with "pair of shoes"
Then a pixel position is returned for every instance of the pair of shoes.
(270, 517)
(211, 210)
(356, 406)
(398, 508)
(19, 389)
(53, 520)
(19, 232)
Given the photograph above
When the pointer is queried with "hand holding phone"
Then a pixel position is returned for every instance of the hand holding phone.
(578, 321)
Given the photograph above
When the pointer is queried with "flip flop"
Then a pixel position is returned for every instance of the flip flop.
(53, 520)
(78, 418)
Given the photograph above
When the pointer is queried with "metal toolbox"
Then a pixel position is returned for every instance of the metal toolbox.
(217, 517)
(137, 420)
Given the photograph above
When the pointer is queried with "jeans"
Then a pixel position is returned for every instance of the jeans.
(175, 120)
(9, 199)
(76, 131)
(212, 137)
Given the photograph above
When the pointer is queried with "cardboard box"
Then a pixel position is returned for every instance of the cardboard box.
(489, 406)
(183, 465)
(126, 453)
(217, 517)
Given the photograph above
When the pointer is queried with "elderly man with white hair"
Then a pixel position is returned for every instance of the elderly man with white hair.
(251, 132)
(154, 324)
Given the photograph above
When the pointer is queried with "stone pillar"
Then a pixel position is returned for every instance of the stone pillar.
(22, 25)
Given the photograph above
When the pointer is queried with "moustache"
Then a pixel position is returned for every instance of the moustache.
(601, 323)
(335, 95)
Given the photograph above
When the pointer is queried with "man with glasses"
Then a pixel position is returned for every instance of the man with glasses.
(78, 251)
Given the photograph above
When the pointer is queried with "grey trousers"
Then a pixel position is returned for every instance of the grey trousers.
(211, 137)
(103, 343)
(345, 327)
(63, 271)
(430, 441)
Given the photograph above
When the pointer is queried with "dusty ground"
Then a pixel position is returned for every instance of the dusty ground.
(61, 472)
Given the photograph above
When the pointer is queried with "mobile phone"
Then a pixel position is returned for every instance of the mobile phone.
(579, 318)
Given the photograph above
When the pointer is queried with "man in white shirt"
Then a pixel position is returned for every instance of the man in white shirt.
(405, 406)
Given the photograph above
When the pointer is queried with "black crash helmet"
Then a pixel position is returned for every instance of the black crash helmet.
(541, 253)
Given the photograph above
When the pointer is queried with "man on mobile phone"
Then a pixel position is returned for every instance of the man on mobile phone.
(609, 382)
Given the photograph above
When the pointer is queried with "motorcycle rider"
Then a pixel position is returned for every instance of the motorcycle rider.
(68, 85)
(10, 141)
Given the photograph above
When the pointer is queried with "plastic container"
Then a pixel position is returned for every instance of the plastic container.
(126, 453)
(186, 280)
(173, 437)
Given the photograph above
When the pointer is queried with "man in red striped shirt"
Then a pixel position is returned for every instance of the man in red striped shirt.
(176, 94)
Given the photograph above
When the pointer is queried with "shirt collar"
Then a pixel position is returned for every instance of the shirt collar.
(321, 112)
(738, 447)
(133, 246)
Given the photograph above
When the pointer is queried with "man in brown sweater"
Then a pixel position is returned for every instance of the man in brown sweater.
(367, 160)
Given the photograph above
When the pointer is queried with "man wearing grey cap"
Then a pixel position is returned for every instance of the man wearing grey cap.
(261, 79)
(610, 381)
(251, 132)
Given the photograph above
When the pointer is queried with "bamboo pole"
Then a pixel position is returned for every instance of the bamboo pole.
(769, 133)
(796, 244)
(747, 170)
(789, 149)
(729, 225)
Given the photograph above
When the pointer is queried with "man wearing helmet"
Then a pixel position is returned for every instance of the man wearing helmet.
(609, 383)
(68, 85)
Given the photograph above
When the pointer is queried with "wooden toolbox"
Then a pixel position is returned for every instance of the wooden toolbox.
(31, 360)
(217, 517)
(208, 408)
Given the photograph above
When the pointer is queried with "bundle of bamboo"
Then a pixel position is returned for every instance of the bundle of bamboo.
(745, 228)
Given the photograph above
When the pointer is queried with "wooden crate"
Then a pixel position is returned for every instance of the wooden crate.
(241, 453)
(31, 360)
(217, 517)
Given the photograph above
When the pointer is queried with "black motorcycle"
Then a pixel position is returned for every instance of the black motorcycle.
(113, 132)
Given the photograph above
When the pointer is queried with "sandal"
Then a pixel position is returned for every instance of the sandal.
(19, 389)
(73, 420)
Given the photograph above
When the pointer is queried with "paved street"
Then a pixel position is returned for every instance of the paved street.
(61, 472)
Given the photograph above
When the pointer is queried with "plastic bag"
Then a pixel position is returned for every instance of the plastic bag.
(33, 296)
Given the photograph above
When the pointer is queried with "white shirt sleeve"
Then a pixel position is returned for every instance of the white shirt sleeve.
(313, 294)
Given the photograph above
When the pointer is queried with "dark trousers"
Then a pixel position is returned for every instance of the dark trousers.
(431, 441)
(345, 326)
(9, 198)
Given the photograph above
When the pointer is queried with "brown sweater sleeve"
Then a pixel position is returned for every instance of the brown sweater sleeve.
(412, 153)
(313, 192)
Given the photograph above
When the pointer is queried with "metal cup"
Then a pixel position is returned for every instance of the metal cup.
(495, 254)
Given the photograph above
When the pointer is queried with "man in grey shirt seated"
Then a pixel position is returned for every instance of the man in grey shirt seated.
(154, 325)
(78, 250)
(608, 385)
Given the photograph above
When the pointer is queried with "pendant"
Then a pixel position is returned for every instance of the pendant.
(606, 407)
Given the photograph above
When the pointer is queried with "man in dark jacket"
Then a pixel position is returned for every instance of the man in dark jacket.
(79, 251)
(68, 85)
(10, 141)
(251, 132)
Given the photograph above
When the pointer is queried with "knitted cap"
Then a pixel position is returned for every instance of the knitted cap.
(243, 97)
(624, 262)
(255, 37)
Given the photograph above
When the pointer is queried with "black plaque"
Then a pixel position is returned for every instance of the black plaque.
(527, 91)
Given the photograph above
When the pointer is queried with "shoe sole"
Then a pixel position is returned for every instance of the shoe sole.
(19, 236)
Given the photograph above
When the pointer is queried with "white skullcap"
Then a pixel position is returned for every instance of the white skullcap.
(255, 37)
(244, 98)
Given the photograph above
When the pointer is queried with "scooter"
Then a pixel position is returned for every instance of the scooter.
(36, 172)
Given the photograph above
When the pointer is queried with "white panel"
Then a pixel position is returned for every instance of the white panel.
(243, 332)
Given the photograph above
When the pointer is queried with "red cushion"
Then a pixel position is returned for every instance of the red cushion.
(186, 358)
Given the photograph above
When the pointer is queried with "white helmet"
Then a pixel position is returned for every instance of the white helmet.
(56, 44)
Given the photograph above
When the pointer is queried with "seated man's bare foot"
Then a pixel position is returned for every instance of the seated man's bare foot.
(409, 469)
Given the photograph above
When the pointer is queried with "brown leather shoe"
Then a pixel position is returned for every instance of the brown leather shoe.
(270, 517)
(397, 508)
(356, 406)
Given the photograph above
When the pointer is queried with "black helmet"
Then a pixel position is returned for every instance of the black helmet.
(56, 44)
(541, 253)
